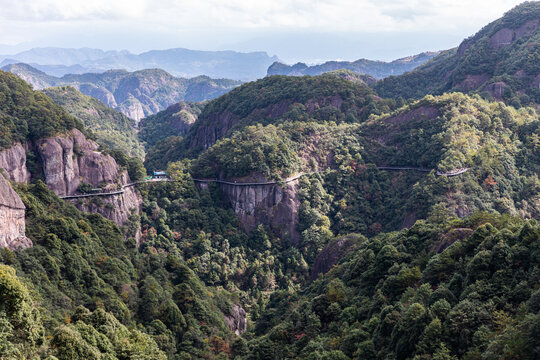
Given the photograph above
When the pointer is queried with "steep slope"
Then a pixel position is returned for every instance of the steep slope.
(37, 78)
(135, 94)
(93, 280)
(180, 62)
(92, 286)
(41, 140)
(435, 291)
(111, 127)
(176, 120)
(275, 99)
(12, 221)
(501, 61)
(377, 69)
(428, 141)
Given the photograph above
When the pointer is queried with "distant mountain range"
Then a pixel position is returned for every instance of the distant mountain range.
(135, 94)
(377, 69)
(179, 62)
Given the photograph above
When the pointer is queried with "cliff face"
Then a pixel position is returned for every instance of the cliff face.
(13, 161)
(115, 207)
(12, 224)
(208, 133)
(135, 94)
(237, 319)
(67, 161)
(72, 159)
(270, 205)
(215, 126)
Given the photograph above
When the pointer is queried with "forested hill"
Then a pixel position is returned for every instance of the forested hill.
(456, 289)
(29, 115)
(176, 120)
(300, 217)
(111, 127)
(501, 61)
(135, 94)
(80, 287)
(338, 96)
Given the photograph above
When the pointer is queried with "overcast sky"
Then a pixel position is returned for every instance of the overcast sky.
(299, 30)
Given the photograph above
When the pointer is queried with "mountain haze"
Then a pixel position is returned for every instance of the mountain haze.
(111, 127)
(179, 62)
(377, 69)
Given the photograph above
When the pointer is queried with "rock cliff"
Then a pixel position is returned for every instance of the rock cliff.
(69, 160)
(13, 161)
(72, 159)
(272, 205)
(237, 319)
(115, 207)
(12, 223)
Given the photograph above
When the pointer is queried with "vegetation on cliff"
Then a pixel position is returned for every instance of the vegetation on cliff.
(387, 264)
(501, 61)
(111, 128)
(444, 289)
(135, 94)
(335, 97)
(29, 115)
(173, 121)
(83, 260)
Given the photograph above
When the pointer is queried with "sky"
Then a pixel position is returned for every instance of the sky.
(301, 30)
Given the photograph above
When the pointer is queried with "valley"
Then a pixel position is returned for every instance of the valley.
(315, 213)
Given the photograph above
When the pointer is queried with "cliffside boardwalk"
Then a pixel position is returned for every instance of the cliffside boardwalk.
(163, 178)
(438, 173)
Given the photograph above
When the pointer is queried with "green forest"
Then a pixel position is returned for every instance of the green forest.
(312, 217)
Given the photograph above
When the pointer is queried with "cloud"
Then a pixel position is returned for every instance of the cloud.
(212, 24)
(326, 15)
(70, 10)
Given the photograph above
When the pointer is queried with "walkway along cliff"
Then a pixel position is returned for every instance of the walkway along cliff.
(67, 161)
(275, 203)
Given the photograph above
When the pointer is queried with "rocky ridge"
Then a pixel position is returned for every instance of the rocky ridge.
(12, 221)
(69, 160)
(135, 94)
(377, 69)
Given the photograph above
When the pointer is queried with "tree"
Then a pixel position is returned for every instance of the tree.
(21, 330)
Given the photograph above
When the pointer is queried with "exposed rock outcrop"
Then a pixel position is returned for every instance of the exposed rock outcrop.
(100, 93)
(271, 205)
(219, 124)
(13, 161)
(506, 36)
(116, 207)
(12, 222)
(71, 159)
(496, 89)
(67, 161)
(208, 133)
(133, 110)
(237, 319)
(473, 82)
(332, 253)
